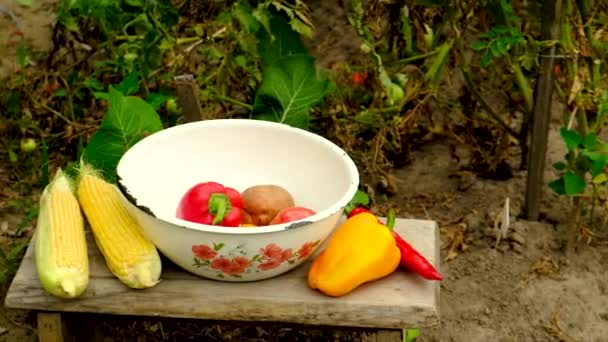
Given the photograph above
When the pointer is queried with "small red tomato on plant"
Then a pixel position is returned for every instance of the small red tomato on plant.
(359, 78)
(291, 214)
(211, 203)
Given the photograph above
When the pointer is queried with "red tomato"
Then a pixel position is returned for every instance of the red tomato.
(359, 78)
(291, 214)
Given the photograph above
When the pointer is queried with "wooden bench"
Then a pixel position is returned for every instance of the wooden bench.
(402, 300)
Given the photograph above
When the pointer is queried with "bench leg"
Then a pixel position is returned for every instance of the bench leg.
(51, 328)
(384, 336)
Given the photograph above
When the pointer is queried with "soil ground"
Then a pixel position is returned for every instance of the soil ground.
(526, 289)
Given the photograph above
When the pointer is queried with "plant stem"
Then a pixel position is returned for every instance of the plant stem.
(413, 58)
(230, 100)
(524, 86)
(573, 231)
(384, 109)
(593, 199)
(58, 114)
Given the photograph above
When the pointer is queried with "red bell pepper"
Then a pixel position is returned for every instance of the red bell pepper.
(410, 258)
(211, 203)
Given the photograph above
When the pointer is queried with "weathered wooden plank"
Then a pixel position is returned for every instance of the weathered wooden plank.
(51, 328)
(402, 300)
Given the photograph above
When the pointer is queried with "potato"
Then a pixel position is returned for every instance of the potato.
(263, 202)
(246, 217)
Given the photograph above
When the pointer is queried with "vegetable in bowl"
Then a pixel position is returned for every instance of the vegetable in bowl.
(159, 170)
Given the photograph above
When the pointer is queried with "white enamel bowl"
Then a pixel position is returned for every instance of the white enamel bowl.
(159, 169)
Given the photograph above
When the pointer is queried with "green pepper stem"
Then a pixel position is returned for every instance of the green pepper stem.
(390, 219)
(219, 207)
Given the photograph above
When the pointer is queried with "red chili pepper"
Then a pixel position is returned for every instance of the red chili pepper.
(410, 258)
(414, 261)
(211, 203)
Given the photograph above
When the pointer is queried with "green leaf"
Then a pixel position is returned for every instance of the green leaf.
(573, 184)
(590, 140)
(61, 92)
(157, 99)
(284, 41)
(571, 138)
(559, 166)
(128, 120)
(300, 27)
(479, 45)
(135, 3)
(431, 2)
(435, 72)
(601, 146)
(485, 59)
(592, 155)
(598, 165)
(558, 186)
(22, 56)
(27, 3)
(93, 83)
(242, 12)
(100, 95)
(129, 84)
(12, 156)
(597, 160)
(600, 178)
(67, 20)
(289, 88)
(602, 109)
(411, 335)
(359, 199)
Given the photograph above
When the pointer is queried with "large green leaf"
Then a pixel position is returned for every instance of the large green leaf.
(289, 88)
(281, 41)
(128, 120)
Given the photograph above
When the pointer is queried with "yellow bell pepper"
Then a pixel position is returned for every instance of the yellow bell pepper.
(361, 250)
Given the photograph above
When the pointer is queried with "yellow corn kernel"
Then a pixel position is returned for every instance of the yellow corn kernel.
(132, 258)
(60, 246)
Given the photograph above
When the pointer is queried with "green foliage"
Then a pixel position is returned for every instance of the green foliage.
(290, 84)
(128, 120)
(136, 30)
(10, 260)
(498, 42)
(277, 40)
(411, 335)
(585, 160)
(290, 87)
(360, 199)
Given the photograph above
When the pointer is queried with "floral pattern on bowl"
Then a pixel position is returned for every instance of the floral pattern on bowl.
(234, 263)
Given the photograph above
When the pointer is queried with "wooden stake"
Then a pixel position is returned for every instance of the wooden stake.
(187, 92)
(542, 112)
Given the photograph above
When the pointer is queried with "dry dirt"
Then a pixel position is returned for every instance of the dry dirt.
(36, 23)
(521, 291)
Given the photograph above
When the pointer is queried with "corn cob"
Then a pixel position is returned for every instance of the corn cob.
(131, 257)
(60, 247)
